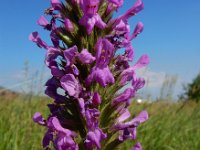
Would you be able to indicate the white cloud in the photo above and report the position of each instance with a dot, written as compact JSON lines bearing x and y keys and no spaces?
{"x":156,"y":80}
{"x":153,"y":79}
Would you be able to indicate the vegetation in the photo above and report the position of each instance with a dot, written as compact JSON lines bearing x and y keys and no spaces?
{"x":192,"y":90}
{"x":172,"y":126}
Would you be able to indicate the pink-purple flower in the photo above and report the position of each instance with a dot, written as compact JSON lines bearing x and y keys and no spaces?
{"x":70,"y":84}
{"x":129,"y":73}
{"x":36,"y":39}
{"x":68,"y":25}
{"x":128,"y":129}
{"x":137,"y":7}
{"x":89,"y":84}
{"x":137,"y":147}
{"x":86,"y":57}
{"x":101,"y":72}
{"x":91,"y":18}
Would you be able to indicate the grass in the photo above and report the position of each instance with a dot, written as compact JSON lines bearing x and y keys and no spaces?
{"x":172,"y":126}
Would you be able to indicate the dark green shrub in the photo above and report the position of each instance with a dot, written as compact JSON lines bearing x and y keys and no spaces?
{"x":192,"y":90}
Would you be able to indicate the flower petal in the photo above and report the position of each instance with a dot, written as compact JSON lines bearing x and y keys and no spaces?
{"x":70,"y":54}
{"x":36,"y":39}
{"x":86,"y":57}
{"x":137,"y":147}
{"x":37,"y":117}
{"x":70,"y":84}
{"x":142,"y":62}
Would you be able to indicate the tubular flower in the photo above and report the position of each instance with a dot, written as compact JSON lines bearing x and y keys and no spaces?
{"x":94,"y":138}
{"x":36,"y":38}
{"x":124,"y":97}
{"x":70,"y":55}
{"x":137,"y":147}
{"x":89,"y":86}
{"x":137,"y":7}
{"x":91,"y":18}
{"x":138,"y":29}
{"x":101,"y":75}
{"x":42,"y":21}
{"x":64,"y":137}
{"x":96,"y":99}
{"x":122,"y":28}
{"x":38,"y":118}
{"x":129,"y":73}
{"x":70,"y":84}
{"x":101,"y":72}
{"x":68,"y":25}
{"x":128,"y":129}
{"x":104,"y":52}
{"x":86,"y":57}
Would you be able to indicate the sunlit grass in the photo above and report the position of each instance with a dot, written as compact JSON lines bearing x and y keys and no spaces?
{"x":172,"y":126}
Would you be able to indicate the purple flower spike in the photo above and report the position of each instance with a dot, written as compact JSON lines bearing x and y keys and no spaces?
{"x":102,"y":76}
{"x":68,"y":25}
{"x":38,"y":118}
{"x":70,"y":55}
{"x":56,"y":4}
{"x":138,"y":29}
{"x":90,"y":99}
{"x":36,"y":39}
{"x":86,"y":57}
{"x":137,"y":147}
{"x":70,"y":84}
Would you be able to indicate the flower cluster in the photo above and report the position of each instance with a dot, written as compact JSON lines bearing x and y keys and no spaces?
{"x":92,"y":111}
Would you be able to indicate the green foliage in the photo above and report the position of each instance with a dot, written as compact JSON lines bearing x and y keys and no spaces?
{"x":169,"y":127}
{"x":192,"y":90}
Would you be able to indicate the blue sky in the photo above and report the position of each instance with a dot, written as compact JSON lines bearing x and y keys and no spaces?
{"x":171,"y":37}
